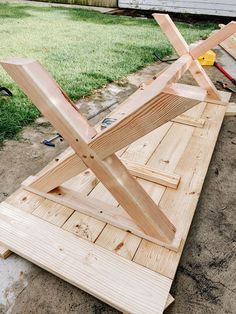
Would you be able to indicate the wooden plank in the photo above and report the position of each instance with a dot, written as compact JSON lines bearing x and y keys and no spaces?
{"x":94,"y":3}
{"x":189,"y":91}
{"x":181,"y":204}
{"x":152,"y":175}
{"x":4,"y":252}
{"x":203,"y":80}
{"x":84,"y":226}
{"x":184,"y":119}
{"x":181,"y":47}
{"x":175,"y":140}
{"x":172,"y":33}
{"x":229,"y":44}
{"x":231,"y":110}
{"x":194,"y":92}
{"x":83,"y":183}
{"x":83,"y":264}
{"x":215,"y":39}
{"x":137,"y":203}
{"x":53,"y":212}
{"x":140,"y":151}
{"x":160,"y":157}
{"x":23,"y":200}
{"x":169,"y":301}
{"x":124,"y":243}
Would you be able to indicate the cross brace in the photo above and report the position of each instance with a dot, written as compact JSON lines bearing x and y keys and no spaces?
{"x":148,"y":108}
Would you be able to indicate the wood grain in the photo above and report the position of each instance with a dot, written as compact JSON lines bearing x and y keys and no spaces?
{"x":229,"y":44}
{"x":61,"y":202}
{"x":181,"y":205}
{"x":144,"y":111}
{"x":62,"y":113}
{"x":231,"y":110}
{"x":215,"y":39}
{"x":83,"y":264}
{"x":181,"y":47}
{"x":151,"y":174}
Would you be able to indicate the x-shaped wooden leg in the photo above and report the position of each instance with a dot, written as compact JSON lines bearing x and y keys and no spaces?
{"x":182,"y":48}
{"x":97,"y":151}
{"x":144,"y":111}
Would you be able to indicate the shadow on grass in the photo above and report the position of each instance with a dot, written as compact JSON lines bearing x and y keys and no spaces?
{"x":13,"y":11}
{"x":95,"y":17}
{"x":85,"y":83}
{"x":89,"y":16}
{"x":146,"y":54}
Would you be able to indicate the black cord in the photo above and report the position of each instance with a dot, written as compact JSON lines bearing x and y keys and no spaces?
{"x":6,"y":91}
{"x":165,"y":60}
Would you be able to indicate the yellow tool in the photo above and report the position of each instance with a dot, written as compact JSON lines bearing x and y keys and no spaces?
{"x":208,"y":58}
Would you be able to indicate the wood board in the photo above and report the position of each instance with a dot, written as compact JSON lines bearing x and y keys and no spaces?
{"x":229,"y":44}
{"x":174,"y":147}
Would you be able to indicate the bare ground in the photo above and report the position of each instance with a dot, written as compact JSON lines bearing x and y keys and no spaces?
{"x":206,"y":278}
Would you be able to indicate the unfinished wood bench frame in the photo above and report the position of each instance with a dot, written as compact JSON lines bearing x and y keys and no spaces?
{"x":153,"y":105}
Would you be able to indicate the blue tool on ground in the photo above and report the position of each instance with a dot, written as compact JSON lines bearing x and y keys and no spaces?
{"x":49,"y":142}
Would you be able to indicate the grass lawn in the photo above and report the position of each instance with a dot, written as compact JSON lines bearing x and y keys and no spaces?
{"x":82,"y":49}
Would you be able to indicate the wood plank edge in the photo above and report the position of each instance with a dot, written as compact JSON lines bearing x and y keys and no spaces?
{"x":170,"y":300}
{"x":198,"y":123}
{"x":231,"y":110}
{"x":4,"y":252}
{"x":151,"y":174}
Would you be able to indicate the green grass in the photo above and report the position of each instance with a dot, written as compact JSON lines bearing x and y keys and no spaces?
{"x":82,"y":49}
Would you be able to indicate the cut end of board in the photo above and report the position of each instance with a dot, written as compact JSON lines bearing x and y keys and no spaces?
{"x":17,"y":61}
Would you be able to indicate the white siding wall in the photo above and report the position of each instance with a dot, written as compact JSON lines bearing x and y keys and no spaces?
{"x":212,"y":7}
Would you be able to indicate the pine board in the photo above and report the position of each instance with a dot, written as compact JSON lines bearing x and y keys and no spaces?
{"x":229,"y":44}
{"x":182,"y":149}
{"x":84,"y":264}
